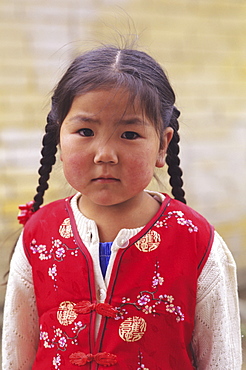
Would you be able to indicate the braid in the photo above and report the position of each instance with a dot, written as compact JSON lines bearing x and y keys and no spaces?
{"x":173,"y":161}
{"x":47,"y":161}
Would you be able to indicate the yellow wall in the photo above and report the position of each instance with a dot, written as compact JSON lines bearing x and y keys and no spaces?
{"x":202,"y":46}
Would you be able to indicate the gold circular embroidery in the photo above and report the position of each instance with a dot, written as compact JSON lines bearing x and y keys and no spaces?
{"x":132,"y":329}
{"x":65,"y":229}
{"x":149,"y":242}
{"x":65,"y":314}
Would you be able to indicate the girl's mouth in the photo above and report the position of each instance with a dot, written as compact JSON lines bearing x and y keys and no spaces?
{"x":105,"y":179}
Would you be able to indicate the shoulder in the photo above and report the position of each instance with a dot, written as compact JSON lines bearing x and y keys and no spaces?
{"x":47,"y":217}
{"x":182,"y":210}
{"x":52,"y":209}
{"x":191,"y":228}
{"x":49,"y":222}
{"x":219,"y":267}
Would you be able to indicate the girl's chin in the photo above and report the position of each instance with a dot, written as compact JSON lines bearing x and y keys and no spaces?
{"x":105,"y":200}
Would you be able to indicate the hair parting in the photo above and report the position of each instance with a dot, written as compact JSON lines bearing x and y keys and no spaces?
{"x":117,"y":58}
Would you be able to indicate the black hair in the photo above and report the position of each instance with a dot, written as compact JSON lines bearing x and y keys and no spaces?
{"x":109,"y":67}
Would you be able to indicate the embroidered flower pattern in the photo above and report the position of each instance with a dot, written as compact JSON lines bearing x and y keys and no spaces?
{"x":141,"y":366}
{"x":52,"y":272}
{"x":147,"y":301}
{"x":60,"y":338}
{"x":57,"y":252}
{"x":181,"y":220}
{"x":157,"y":279}
{"x":57,"y":362}
{"x":40,"y":249}
{"x":143,"y":300}
{"x":59,"y":249}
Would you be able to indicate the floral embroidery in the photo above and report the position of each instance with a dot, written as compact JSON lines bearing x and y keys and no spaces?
{"x":60,"y":338}
{"x":57,"y":362}
{"x":181,"y":220}
{"x":57,"y":251}
{"x":147,"y":301}
{"x":141,"y":366}
{"x":157,"y":279}
{"x":142,"y":301}
{"x":41,"y":249}
{"x":52,"y":272}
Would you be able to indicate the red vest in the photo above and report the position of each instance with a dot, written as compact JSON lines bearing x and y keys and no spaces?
{"x":148,"y":315}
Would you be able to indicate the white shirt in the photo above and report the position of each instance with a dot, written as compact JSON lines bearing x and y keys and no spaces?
{"x":216,"y":339}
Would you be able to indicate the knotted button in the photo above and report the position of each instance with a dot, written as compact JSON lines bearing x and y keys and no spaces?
{"x":101,"y":358}
{"x":103,"y":309}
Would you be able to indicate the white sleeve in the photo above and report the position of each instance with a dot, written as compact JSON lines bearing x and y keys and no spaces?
{"x":20,"y":322}
{"x":217,"y":338}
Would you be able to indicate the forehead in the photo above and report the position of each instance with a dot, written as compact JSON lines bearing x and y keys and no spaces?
{"x":113,"y":100}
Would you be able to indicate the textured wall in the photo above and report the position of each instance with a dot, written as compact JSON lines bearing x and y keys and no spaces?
{"x":202,"y":46}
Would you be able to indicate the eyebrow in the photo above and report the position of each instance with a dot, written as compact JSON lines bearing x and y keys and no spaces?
{"x":82,"y":118}
{"x":123,"y":121}
{"x":132,"y":121}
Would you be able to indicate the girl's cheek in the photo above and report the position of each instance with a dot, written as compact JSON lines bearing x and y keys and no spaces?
{"x":140,"y":168}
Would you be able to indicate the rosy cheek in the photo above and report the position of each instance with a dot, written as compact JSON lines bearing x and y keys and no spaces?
{"x":74,"y":155}
{"x":140,"y":169}
{"x":140,"y":162}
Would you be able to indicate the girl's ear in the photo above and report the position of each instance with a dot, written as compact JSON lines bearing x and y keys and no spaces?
{"x":167,"y":137}
{"x":61,"y":159}
{"x":60,"y":151}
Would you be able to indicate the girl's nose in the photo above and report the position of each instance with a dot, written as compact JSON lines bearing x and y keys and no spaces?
{"x":106,"y":153}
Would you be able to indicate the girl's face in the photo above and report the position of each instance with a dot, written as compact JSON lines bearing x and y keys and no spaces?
{"x":109,"y":148}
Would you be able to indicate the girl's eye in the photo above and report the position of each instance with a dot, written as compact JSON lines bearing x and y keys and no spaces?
{"x":86,"y":132}
{"x":130,"y":135}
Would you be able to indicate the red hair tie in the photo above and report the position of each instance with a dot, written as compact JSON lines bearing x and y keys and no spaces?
{"x":101,"y":358}
{"x":26,"y":211}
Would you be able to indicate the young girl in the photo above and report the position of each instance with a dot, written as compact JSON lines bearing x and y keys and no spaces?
{"x":117,"y":276}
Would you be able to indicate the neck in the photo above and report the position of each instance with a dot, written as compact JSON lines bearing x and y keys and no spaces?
{"x":111,"y":219}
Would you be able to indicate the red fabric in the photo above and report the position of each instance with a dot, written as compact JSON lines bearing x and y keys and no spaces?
{"x":152,"y":290}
